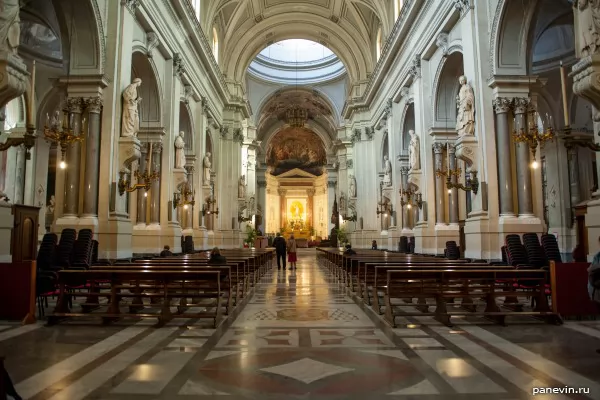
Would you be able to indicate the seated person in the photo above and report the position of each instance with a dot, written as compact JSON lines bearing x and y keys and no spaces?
{"x":374,"y":245}
{"x":216,"y":258}
{"x":166,"y":252}
{"x":349,"y":250}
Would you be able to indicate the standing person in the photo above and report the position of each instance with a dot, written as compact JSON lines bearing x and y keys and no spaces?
{"x":594,"y":281}
{"x":291,"y":247}
{"x":280,"y":248}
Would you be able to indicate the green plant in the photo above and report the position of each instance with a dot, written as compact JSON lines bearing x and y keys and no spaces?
{"x":250,"y":235}
{"x":342,"y":236}
{"x":311,"y":230}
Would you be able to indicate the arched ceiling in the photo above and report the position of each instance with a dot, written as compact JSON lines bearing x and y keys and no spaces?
{"x":345,"y":26}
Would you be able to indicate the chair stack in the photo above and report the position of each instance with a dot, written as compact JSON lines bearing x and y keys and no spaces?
{"x":65,"y":247}
{"x":411,"y":245}
{"x":82,"y":251}
{"x":535,"y":252}
{"x":517,"y":255}
{"x":403,"y":244}
{"x":46,"y":257}
{"x":452,"y":251}
{"x":551,"y":248}
{"x":94,"y":252}
{"x":188,"y":245}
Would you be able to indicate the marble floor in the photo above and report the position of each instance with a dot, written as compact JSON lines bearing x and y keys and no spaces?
{"x":298,"y":336}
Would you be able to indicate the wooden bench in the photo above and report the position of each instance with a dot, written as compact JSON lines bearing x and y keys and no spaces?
{"x":164,"y":285}
{"x":471,"y":285}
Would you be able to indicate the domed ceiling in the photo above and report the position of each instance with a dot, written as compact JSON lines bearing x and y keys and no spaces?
{"x":296,"y":148}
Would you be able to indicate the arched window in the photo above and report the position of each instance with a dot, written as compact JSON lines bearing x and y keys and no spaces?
{"x":379,"y":44}
{"x":397,"y":7}
{"x":215,"y":44}
{"x":196,"y":5}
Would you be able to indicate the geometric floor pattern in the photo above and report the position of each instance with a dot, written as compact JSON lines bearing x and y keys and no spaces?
{"x":301,"y":335}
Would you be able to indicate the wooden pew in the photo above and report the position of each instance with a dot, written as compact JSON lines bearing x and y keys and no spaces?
{"x":471,"y":284}
{"x":165,"y":285}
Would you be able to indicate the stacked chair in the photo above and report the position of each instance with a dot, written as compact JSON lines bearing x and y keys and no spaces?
{"x":452,"y":252}
{"x":516,"y":253}
{"x":82,"y":250}
{"x":188,"y":245}
{"x":94,"y":252}
{"x":535,"y":252}
{"x":551,"y":248}
{"x":403,"y":244}
{"x":411,"y":245}
{"x":46,"y":257}
{"x":65,"y":248}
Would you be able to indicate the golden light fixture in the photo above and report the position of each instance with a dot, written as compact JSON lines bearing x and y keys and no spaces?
{"x":533,"y":135}
{"x":296,"y":116}
{"x":185,"y":194}
{"x":63,"y":135}
{"x":144,"y":179}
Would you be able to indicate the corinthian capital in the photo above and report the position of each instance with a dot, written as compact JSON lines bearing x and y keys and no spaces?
{"x":502,"y":105}
{"x":94,"y":104}
{"x":521,"y":105}
{"x":438,"y":147}
{"x":75,"y":105}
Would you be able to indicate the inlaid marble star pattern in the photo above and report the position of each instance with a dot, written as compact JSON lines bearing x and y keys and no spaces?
{"x":260,"y":338}
{"x":349,"y":338}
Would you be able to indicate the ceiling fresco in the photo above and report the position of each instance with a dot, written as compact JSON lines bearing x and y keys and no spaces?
{"x":296,"y":148}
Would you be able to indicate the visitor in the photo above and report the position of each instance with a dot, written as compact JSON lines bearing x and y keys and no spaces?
{"x":280,"y":247}
{"x":594,"y":281}
{"x":349,"y":251}
{"x":374,"y":245}
{"x":216,"y":258}
{"x":291,"y":248}
{"x":166,"y":252}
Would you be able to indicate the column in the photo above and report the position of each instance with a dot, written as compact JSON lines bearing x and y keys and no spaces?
{"x":310,"y":204}
{"x":282,"y":203}
{"x":505,"y":186}
{"x":92,"y":158}
{"x":155,"y":188}
{"x":573,"y":176}
{"x":438,"y":160}
{"x":73,"y":156}
{"x":142,"y":195}
{"x":521,"y":106}
{"x":20,"y":176}
{"x":453,"y":200}
{"x":404,"y":186}
{"x":261,"y":201}
{"x":190,"y":210}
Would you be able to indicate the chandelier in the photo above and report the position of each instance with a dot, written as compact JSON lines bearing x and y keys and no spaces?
{"x":296,"y":116}
{"x":534,"y":136}
{"x":63,"y":136}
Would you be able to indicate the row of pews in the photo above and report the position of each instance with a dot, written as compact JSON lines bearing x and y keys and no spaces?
{"x":395,"y":284}
{"x":152,"y":288}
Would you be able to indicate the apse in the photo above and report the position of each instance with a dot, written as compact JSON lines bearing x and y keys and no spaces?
{"x":296,"y":148}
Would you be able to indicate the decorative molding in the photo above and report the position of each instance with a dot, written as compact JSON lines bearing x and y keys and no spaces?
{"x":238,"y":136}
{"x":442,"y":42}
{"x":331,"y":184}
{"x":415,"y":69}
{"x":335,"y":19}
{"x":521,"y":105}
{"x":223,"y":131}
{"x":258,"y":18}
{"x":356,"y":135}
{"x":75,"y":105}
{"x":502,"y":105}
{"x":151,"y":43}
{"x":451,"y":149}
{"x":132,"y":5}
{"x":205,"y":108}
{"x":310,"y":192}
{"x":282,"y":192}
{"x":369,"y":132}
{"x":405,"y":91}
{"x":462,"y":6}
{"x":349,"y":163}
{"x":438,"y":147}
{"x":188,"y":92}
{"x":94,"y":104}
{"x":178,"y":65}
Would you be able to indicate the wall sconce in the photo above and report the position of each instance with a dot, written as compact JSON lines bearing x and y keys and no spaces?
{"x":144,"y":181}
{"x":532,"y":136}
{"x":471,"y":183}
{"x":241,"y":218}
{"x":208,"y":208}
{"x":185,"y":194}
{"x":352,"y":217}
{"x":63,"y":136}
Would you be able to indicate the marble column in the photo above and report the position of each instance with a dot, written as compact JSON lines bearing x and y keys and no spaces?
{"x":440,"y":190}
{"x":142,"y":195}
{"x":92,"y":158}
{"x":282,"y":201}
{"x":502,"y":106}
{"x":521,"y":105}
{"x":155,"y":188}
{"x":189,"y":213}
{"x":20,"y":176}
{"x":404,"y":185}
{"x":261,"y":201}
{"x":73,"y":156}
{"x":453,"y":199}
{"x":310,"y":204}
{"x":573,"y":176}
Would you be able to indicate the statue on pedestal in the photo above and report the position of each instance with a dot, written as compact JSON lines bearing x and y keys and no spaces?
{"x":588,"y":23}
{"x":352,"y":191}
{"x":51,"y":205}
{"x":387,"y":178}
{"x":206,"y":165}
{"x":131,"y":116}
{"x":465,"y":102}
{"x":414,"y":156}
{"x":180,"y":151}
{"x":10,"y":28}
{"x":242,"y":187}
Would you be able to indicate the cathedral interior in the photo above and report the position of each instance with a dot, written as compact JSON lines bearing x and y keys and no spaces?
{"x":431,"y":164}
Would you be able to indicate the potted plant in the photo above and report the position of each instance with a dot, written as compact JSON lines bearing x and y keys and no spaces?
{"x":250,"y":236}
{"x":342,"y":236}
{"x":311,"y":232}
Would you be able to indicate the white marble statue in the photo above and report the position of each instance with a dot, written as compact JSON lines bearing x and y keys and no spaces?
{"x":10,"y":28}
{"x":352,"y":191}
{"x":414,"y":155}
{"x":242,"y":187}
{"x":387,"y":178}
{"x":206,"y":165}
{"x":131,"y":115}
{"x":51,"y":205}
{"x":588,"y":24}
{"x":180,"y":151}
{"x":465,"y":102}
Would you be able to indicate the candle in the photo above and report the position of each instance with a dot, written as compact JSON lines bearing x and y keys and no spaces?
{"x":31,"y":95}
{"x":563,"y":84}
{"x":447,"y":156}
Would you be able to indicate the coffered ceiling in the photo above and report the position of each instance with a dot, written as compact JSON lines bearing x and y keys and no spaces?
{"x":347,"y":27}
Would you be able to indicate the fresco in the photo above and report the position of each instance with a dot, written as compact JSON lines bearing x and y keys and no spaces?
{"x":296,"y":148}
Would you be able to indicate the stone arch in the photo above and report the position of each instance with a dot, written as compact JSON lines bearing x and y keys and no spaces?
{"x":186,"y":125}
{"x":446,"y":87}
{"x":273,"y":130}
{"x":150,"y":90}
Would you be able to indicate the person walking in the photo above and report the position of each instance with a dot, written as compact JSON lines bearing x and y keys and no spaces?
{"x":291,"y":248}
{"x":280,"y":247}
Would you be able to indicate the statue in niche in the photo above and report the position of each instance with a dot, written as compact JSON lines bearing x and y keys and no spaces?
{"x":414,"y":155}
{"x":51,"y":205}
{"x":206,"y":165}
{"x":465,"y":102}
{"x":131,"y":115}
{"x":10,"y":28}
{"x":352,"y":191}
{"x":387,"y":169}
{"x":242,"y":187}
{"x":180,"y":151}
{"x":588,"y":22}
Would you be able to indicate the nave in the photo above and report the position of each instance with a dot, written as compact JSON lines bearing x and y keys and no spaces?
{"x":301,"y":335}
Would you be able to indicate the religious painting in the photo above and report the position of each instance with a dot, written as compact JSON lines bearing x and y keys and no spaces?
{"x":296,"y":214}
{"x":296,"y":148}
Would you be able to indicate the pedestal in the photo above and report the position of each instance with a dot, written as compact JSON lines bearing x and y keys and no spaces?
{"x":13,"y":77}
{"x":414,"y":178}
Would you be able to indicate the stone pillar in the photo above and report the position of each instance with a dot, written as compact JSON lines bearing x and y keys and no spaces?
{"x":20,"y":176}
{"x":310,"y":204}
{"x":505,"y":185}
{"x":142,"y":195}
{"x":453,"y":200}
{"x":440,"y":190}
{"x":261,"y":201}
{"x":73,"y":156}
{"x":521,"y":106}
{"x":282,"y":210}
{"x":92,"y":158}
{"x":573,"y":176}
{"x":189,"y":213}
{"x":155,"y":188}
{"x":404,"y":186}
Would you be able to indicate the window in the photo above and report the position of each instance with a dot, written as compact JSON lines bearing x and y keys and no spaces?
{"x":196,"y":5}
{"x":397,"y":7}
{"x":215,"y":44}
{"x":379,"y":43}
